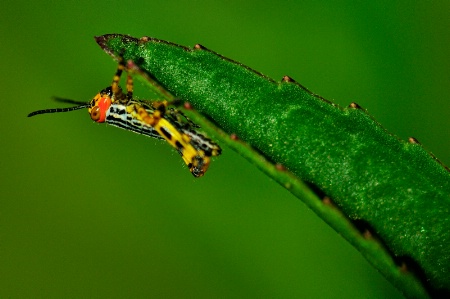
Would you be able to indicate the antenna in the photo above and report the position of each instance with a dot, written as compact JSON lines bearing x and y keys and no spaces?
{"x":64,"y":100}
{"x":56,"y":110}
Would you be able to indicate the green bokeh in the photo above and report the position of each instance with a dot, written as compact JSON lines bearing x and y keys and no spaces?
{"x":94,"y":211}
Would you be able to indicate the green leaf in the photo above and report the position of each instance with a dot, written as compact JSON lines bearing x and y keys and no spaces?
{"x":399,"y":191}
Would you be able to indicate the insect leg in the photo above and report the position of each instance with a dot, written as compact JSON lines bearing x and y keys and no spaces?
{"x":116,"y":90}
{"x":177,"y":114}
{"x":129,"y":87}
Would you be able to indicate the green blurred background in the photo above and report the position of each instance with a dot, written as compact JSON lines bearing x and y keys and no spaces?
{"x":88,"y":210}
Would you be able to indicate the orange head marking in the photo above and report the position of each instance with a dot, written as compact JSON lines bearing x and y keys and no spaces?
{"x":99,"y":106}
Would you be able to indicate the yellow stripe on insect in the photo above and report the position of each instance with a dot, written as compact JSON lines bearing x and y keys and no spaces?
{"x":195,"y":159}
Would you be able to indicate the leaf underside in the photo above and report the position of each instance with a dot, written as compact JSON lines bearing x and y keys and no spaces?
{"x":395,"y":187}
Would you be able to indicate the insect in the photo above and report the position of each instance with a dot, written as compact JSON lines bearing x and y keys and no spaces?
{"x":153,"y":119}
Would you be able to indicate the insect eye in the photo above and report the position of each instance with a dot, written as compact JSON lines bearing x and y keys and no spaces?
{"x":95,"y":113}
{"x":100,"y":109}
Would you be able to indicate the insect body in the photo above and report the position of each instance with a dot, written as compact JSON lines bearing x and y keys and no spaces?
{"x":155,"y":120}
